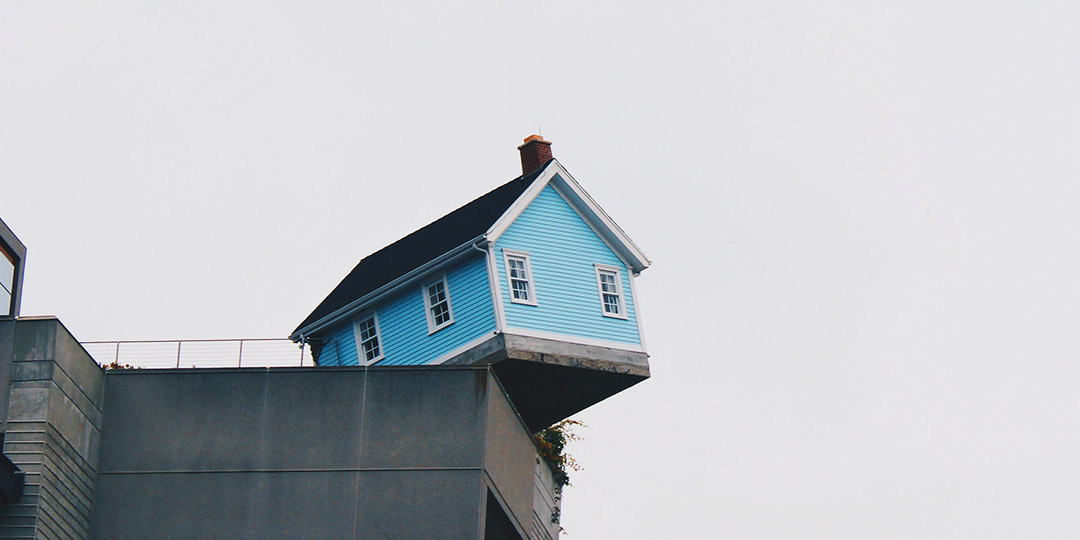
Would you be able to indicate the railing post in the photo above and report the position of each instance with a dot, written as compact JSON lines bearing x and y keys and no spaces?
{"x":154,"y":355}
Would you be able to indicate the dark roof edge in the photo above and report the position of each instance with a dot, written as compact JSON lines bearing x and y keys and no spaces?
{"x":422,"y":246}
{"x":390,"y":287}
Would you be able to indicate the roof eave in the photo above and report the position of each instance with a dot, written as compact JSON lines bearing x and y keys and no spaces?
{"x":405,"y":279}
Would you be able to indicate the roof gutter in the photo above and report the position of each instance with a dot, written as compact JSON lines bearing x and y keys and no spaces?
{"x":387,"y":289}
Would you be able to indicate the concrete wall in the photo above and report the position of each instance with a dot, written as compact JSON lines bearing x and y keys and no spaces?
{"x":322,"y":453}
{"x":53,"y":432}
{"x":7,"y":354}
{"x":508,"y":462}
{"x":545,"y":505}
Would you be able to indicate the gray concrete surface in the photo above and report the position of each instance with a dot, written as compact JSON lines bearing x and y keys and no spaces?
{"x":7,"y":354}
{"x":52,"y":432}
{"x":319,"y":453}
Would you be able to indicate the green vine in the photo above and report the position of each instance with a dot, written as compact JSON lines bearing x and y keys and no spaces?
{"x":551,"y":446}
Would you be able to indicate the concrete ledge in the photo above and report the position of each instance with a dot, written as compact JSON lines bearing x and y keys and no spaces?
{"x":548,"y":380}
{"x":561,"y":353}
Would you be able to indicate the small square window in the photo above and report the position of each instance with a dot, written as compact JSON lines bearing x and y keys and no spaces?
{"x":437,"y":305}
{"x":609,"y":283}
{"x":519,"y":277}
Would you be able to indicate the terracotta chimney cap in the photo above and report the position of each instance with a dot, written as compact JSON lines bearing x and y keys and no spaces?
{"x":532,"y":138}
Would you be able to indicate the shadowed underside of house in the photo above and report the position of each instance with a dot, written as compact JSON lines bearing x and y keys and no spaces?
{"x":549,"y":380}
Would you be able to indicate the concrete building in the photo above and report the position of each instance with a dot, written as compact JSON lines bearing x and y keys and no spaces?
{"x":437,"y":359}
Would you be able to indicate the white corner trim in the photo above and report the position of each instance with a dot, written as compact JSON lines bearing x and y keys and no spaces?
{"x":530,"y":281}
{"x":432,"y":327}
{"x":637,"y":312}
{"x":496,"y":289}
{"x":360,"y":356}
{"x":575,"y":339}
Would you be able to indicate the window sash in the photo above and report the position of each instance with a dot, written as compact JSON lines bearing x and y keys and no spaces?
{"x":368,"y":339}
{"x":519,"y":277}
{"x":609,"y":283}
{"x":437,"y":303}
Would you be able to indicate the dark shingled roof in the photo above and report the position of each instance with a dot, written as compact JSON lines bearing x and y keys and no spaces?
{"x":420,"y":247}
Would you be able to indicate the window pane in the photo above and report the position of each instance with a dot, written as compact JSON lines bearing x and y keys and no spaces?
{"x":440,"y":313}
{"x":7,"y":271}
{"x":607,"y":282}
{"x":521,"y":289}
{"x":436,"y":293}
{"x":611,"y":304}
{"x":5,"y":303}
{"x":371,"y":349}
{"x":367,"y":329}
{"x":517,"y":269}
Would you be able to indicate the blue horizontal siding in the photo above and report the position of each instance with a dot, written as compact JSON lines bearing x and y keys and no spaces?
{"x":403,"y":321}
{"x":339,"y":349}
{"x":562,"y":250}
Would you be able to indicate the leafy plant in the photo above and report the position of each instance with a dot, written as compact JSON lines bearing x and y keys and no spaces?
{"x":551,"y":446}
{"x":117,"y":365}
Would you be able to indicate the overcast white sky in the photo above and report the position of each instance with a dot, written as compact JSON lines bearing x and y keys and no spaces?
{"x":863,"y":218}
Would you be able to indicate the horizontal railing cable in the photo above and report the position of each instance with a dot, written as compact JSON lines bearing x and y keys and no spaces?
{"x":199,"y":353}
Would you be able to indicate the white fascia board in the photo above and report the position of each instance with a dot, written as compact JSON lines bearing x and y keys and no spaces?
{"x":637,"y":313}
{"x":378,"y":294}
{"x":642,"y":261}
{"x":522,"y":202}
{"x":584,"y":205}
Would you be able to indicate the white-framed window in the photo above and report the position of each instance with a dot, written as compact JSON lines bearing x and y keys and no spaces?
{"x":519,"y":277}
{"x":368,"y":339}
{"x":609,"y":283}
{"x":437,"y":304}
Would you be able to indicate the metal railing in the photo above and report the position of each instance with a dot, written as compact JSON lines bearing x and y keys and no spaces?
{"x":199,"y":353}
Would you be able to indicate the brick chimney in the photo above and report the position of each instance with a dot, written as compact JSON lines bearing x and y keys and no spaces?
{"x":534,"y":153}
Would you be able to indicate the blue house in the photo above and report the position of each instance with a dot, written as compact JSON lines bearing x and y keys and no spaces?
{"x":533,"y":278}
